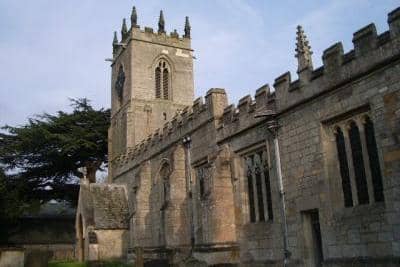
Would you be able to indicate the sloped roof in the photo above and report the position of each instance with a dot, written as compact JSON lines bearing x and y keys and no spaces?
{"x":104,"y":206}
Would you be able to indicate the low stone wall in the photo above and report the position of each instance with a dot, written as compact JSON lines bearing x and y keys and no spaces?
{"x":59,"y":252}
{"x":12,"y":257}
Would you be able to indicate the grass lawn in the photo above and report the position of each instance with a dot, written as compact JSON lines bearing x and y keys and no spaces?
{"x":80,"y":264}
{"x":67,"y":264}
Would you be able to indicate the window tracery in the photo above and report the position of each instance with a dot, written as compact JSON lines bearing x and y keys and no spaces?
{"x":162,"y":80}
{"x":358,"y":161}
{"x":259,"y":187}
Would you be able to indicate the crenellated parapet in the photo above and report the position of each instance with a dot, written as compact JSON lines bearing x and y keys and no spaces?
{"x":242,"y":116}
{"x":200,"y":114}
{"x":147,"y":34}
{"x":370,"y":51}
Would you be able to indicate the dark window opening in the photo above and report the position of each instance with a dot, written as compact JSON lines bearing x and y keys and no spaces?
{"x":374,"y":160}
{"x":259,"y":194}
{"x":158,"y":82}
{"x":250,"y":191}
{"x":258,"y":176}
{"x":165,"y":84}
{"x":344,"y":168}
{"x":204,"y":181}
{"x":162,"y":81}
{"x":269,"y":195}
{"x":358,"y":163}
{"x":201,"y":185}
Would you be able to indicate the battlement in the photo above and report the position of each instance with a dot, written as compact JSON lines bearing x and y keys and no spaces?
{"x":242,"y":116}
{"x":147,"y":34}
{"x":370,"y":49}
{"x":183,"y":123}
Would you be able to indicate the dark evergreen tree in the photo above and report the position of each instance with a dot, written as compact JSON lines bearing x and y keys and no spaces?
{"x":48,"y":151}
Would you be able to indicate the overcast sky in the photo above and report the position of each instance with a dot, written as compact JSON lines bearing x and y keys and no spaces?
{"x":52,"y":50}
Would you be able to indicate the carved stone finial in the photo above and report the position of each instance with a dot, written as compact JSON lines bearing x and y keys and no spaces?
{"x":161,"y":23}
{"x":303,"y":51}
{"x":124,"y":29}
{"x":115,"y":40}
{"x":187,"y":28}
{"x":133,"y":17}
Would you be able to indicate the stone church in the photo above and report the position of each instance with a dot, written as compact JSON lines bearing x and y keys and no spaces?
{"x":306,"y":173}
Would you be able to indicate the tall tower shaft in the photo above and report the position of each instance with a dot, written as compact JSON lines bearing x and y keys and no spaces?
{"x":152,"y":79}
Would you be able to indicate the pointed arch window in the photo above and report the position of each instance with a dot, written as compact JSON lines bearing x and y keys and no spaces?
{"x":259,"y":187}
{"x":358,"y":160}
{"x":162,"y":80}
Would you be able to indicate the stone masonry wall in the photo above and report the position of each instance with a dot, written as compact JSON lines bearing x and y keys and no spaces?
{"x":349,"y":86}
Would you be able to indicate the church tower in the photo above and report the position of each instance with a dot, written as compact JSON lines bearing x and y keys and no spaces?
{"x":152,"y":79}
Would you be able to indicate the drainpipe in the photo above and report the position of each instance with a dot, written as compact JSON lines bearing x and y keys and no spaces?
{"x":187,"y":142}
{"x":272,"y":126}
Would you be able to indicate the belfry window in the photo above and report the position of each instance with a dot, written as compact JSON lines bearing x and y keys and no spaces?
{"x":162,"y":80}
{"x":356,"y":147}
{"x":158,"y":82}
{"x":259,"y":187}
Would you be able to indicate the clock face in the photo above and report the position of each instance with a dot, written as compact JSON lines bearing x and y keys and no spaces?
{"x":119,"y":84}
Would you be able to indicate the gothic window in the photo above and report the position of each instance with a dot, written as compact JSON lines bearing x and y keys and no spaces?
{"x":259,"y":187}
{"x":356,"y":147}
{"x":344,"y":168}
{"x":373,"y":160}
{"x":204,"y":181}
{"x":358,"y":164}
{"x":119,"y":84}
{"x":162,"y":80}
{"x":165,"y":185}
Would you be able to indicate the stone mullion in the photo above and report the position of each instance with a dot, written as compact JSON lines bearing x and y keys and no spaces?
{"x":349,"y":157}
{"x":360,"y":125}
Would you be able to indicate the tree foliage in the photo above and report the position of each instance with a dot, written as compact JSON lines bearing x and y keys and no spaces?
{"x":47,"y":153}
